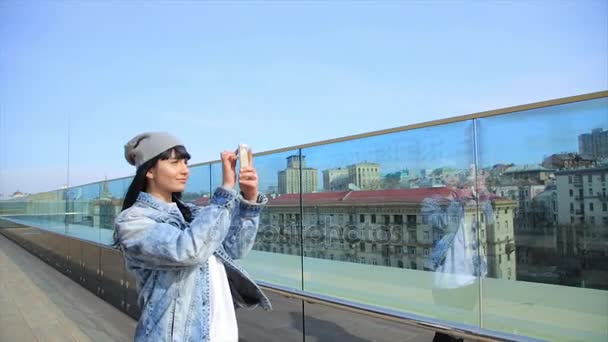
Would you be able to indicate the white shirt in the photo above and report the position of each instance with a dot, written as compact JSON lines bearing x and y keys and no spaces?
{"x":223,"y":318}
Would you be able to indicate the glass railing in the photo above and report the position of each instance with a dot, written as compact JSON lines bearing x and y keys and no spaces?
{"x":495,"y":222}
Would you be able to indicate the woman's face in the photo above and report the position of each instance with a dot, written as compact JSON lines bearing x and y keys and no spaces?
{"x":169,"y":175}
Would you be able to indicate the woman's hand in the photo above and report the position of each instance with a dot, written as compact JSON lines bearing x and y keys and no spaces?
{"x":228,"y":169}
{"x":248,"y":180}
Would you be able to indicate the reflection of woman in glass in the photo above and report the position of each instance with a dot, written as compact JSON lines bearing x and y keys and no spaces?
{"x":457,"y":257}
{"x":182,"y":255}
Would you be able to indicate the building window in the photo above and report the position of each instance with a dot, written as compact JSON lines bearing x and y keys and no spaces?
{"x":590,"y":192}
{"x":413,"y":265}
{"x":362,"y":260}
{"x":375,"y":262}
{"x":387,"y":262}
{"x":374,"y":218}
{"x":412,"y":250}
{"x":361,"y":218}
{"x":400,"y":264}
{"x":425,"y":219}
{"x":589,"y":179}
{"x":362,"y":246}
{"x":592,"y":220}
{"x":590,"y":206}
{"x":398,"y":219}
{"x":387,"y":219}
{"x":571,"y":193}
{"x":571,"y":206}
{"x":426,"y":236}
{"x":426,"y":252}
{"x":569,"y":179}
{"x":500,"y":258}
{"x":605,"y":206}
{"x":374,"y":248}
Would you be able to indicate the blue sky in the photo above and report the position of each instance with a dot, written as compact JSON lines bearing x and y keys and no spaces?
{"x":271,"y":74}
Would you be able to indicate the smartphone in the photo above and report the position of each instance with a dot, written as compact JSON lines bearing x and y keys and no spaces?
{"x":243,"y":155}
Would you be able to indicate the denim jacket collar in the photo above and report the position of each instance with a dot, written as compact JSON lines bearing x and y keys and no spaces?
{"x":154,"y":202}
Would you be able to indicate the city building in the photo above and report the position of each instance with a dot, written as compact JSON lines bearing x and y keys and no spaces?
{"x":289,"y":179}
{"x":561,"y":161}
{"x":104,"y":209}
{"x":594,"y":145}
{"x":335,"y":179}
{"x":378,"y":227}
{"x":582,"y":226}
{"x":360,"y":176}
{"x":526,"y":174}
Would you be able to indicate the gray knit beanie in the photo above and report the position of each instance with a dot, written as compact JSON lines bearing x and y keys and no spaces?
{"x":148,"y":145}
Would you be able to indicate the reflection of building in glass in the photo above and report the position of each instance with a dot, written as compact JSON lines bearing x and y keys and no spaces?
{"x":360,"y":176}
{"x":526,"y":174}
{"x":563,"y":245}
{"x":289,"y":179}
{"x":566,"y":161}
{"x":104,"y":209}
{"x":384,"y":227}
{"x":581,"y":196}
{"x":365,"y":176}
{"x":335,"y":179}
{"x":582,"y":229}
{"x":594,"y":145}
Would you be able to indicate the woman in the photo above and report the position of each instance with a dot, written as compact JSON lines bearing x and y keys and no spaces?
{"x":182,"y":255}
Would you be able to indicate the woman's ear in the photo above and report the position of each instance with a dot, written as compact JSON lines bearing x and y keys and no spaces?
{"x":150,"y":174}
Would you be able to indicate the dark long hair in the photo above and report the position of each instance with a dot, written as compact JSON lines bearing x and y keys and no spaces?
{"x":139,"y":184}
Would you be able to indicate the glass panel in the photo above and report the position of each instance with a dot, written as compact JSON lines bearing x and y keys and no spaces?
{"x":216,"y":175}
{"x":43,"y":210}
{"x":276,"y":255}
{"x":368,"y":223}
{"x":87,"y":211}
{"x":547,"y":244}
{"x":198,"y":187}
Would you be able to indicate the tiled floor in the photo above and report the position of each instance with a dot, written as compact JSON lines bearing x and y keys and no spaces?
{"x":37,"y":303}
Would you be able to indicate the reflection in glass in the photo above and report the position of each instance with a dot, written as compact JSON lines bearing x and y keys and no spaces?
{"x":198,"y":187}
{"x":366,"y":235}
{"x":554,"y":170}
{"x":276,"y":257}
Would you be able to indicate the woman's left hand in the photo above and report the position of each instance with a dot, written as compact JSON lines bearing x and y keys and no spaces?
{"x":248,"y":180}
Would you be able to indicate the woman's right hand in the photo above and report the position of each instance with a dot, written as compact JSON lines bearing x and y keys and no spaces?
{"x":228,"y":169}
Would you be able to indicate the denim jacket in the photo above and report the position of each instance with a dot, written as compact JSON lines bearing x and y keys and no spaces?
{"x":169,"y":258}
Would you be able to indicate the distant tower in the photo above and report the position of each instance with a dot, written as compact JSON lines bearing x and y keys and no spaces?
{"x":289,"y":179}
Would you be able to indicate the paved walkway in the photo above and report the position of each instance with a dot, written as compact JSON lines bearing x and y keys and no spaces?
{"x":37,"y":303}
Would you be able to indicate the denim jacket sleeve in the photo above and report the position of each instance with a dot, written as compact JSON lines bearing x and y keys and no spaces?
{"x":244,"y":223}
{"x":160,"y":245}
